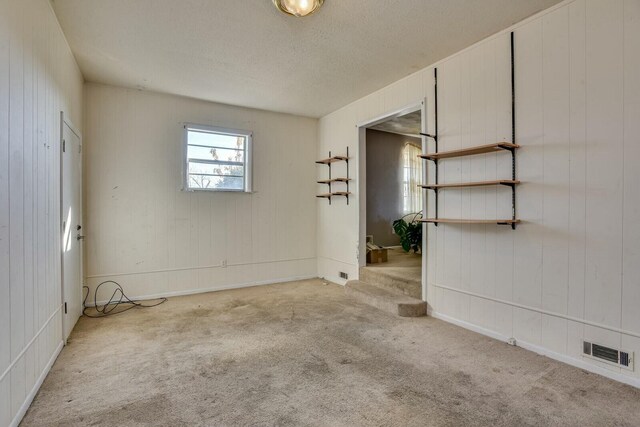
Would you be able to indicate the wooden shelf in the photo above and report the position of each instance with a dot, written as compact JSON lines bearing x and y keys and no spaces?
{"x":332,"y":159}
{"x":508,"y":182}
{"x":329,"y":181}
{"x":335,"y":193}
{"x":471,"y":151}
{"x":470,"y":221}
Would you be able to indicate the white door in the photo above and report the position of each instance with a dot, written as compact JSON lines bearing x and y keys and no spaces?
{"x":71,"y":228}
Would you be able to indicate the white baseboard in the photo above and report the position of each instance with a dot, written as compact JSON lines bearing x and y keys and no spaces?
{"x":213,"y":289}
{"x":32,"y":394}
{"x":578,"y":363}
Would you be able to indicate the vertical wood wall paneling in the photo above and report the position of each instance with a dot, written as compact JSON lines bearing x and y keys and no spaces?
{"x":631,"y":210}
{"x":16,"y":202}
{"x":555,"y":215}
{"x":38,"y":79}
{"x":450,"y":202}
{"x":604,"y":167}
{"x":577,"y":176}
{"x":527,"y":278}
{"x":499,"y":203}
{"x":5,"y":301}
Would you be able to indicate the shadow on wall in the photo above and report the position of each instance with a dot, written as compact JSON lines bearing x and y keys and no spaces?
{"x":385,"y":184}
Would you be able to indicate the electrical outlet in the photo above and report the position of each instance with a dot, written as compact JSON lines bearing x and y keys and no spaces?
{"x":512,"y":341}
{"x":224,"y":263}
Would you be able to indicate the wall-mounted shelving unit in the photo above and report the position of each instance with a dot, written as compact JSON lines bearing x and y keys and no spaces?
{"x":510,"y":147}
{"x":332,"y":181}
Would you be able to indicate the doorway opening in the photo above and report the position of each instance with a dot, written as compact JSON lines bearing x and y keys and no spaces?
{"x":392,"y":240}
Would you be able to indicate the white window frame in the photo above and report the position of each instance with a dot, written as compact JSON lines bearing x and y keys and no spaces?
{"x":248,"y":156}
{"x":412,"y":190}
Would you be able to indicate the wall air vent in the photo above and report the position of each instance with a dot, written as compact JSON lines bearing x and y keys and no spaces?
{"x":623,"y":359}
{"x":344,"y":275}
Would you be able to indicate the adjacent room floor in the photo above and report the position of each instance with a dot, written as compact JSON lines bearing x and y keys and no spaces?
{"x":302,"y":353}
{"x":401,"y":273}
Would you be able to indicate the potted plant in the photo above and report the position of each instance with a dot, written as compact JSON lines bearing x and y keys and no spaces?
{"x":409,"y":229}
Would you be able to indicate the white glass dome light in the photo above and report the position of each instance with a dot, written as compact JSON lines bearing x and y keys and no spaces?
{"x":298,"y":7}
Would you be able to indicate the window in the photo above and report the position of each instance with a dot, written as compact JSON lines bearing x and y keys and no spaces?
{"x":411,"y":178}
{"x":217,"y":159}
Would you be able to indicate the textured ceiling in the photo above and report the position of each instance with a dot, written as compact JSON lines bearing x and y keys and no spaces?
{"x":247,"y":53}
{"x":409,"y":124}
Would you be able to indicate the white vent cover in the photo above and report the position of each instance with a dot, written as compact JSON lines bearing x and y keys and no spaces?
{"x":612,"y":356}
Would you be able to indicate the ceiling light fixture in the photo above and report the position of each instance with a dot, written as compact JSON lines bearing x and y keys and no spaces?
{"x":298,"y":7}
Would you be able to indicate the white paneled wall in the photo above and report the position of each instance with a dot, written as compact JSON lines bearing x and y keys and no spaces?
{"x":155,"y":239}
{"x":38,"y":79}
{"x":570,"y":270}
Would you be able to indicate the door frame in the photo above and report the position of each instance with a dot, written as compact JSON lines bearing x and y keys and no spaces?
{"x":362,"y":182}
{"x":65,"y":121}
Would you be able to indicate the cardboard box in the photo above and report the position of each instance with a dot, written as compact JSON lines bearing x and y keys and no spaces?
{"x":375,"y":256}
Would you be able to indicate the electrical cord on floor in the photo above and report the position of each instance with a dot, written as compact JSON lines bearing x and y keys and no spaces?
{"x":118,"y":298}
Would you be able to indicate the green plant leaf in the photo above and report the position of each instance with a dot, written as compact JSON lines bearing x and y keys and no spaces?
{"x":410,"y":233}
{"x":400,"y":227}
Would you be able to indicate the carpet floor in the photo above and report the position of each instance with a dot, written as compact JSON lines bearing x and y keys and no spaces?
{"x":407,"y":265}
{"x":303,"y":354}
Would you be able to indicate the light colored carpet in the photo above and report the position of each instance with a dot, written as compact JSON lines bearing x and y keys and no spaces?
{"x":402,"y":273}
{"x":303,"y":354}
{"x":406,"y":264}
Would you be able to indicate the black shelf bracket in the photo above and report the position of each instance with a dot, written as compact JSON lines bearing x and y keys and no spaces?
{"x":513,"y":129}
{"x":329,"y":178}
{"x":347,"y":195}
{"x":434,"y":137}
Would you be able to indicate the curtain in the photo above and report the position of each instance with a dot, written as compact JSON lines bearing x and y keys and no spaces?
{"x":412,"y":177}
